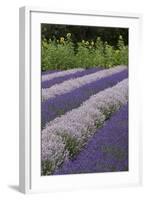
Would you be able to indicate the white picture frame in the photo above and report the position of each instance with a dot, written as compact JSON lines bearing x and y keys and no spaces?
{"x":29,"y":160}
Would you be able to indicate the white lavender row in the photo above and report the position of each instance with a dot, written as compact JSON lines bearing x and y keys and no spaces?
{"x":53,"y":151}
{"x":72,"y":84}
{"x":76,"y":126}
{"x":60,"y":74}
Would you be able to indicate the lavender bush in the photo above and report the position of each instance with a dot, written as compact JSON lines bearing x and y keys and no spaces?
{"x":61,"y":74}
{"x":60,"y":79}
{"x":53,"y":152}
{"x":49,"y":71}
{"x":78,"y":125}
{"x":106,"y":151}
{"x":59,"y":105}
{"x":72,"y":84}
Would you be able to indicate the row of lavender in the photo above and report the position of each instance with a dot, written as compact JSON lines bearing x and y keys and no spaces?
{"x":49,"y":80}
{"x":106,"y":151}
{"x":64,"y":134}
{"x":60,"y":104}
{"x":72,"y":84}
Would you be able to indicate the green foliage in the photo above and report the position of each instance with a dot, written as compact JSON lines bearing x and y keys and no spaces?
{"x":121,"y":54}
{"x":72,"y":144}
{"x":47,"y":167}
{"x":109,"y":56}
{"x":62,"y":53}
{"x":57,"y":54}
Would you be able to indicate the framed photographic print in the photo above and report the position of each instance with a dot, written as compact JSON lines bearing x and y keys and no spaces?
{"x":79,"y":102}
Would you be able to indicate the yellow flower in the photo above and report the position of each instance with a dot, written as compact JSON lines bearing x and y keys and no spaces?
{"x":68,"y":35}
{"x":92,"y":43}
{"x":87,"y":43}
{"x":120,"y":37}
{"x":117,"y":51}
{"x":62,"y":40}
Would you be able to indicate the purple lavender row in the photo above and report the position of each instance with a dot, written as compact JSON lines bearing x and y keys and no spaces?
{"x":61,"y":74}
{"x":72,"y":84}
{"x":49,"y":83}
{"x":77,"y":126}
{"x":59,"y":105}
{"x":107,"y":150}
{"x":57,"y":70}
{"x":49,"y":71}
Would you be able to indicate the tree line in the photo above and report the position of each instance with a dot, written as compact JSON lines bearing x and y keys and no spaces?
{"x":79,"y":33}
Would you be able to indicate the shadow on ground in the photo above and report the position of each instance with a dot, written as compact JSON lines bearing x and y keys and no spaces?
{"x":14,"y":187}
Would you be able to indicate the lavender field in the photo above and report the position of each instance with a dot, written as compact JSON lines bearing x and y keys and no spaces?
{"x":84,"y":120}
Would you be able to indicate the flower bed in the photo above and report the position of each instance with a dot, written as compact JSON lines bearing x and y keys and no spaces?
{"x":59,"y":105}
{"x":78,"y":125}
{"x":107,"y":150}
{"x":60,"y":79}
{"x":73,"y":84}
{"x":61,"y":74}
